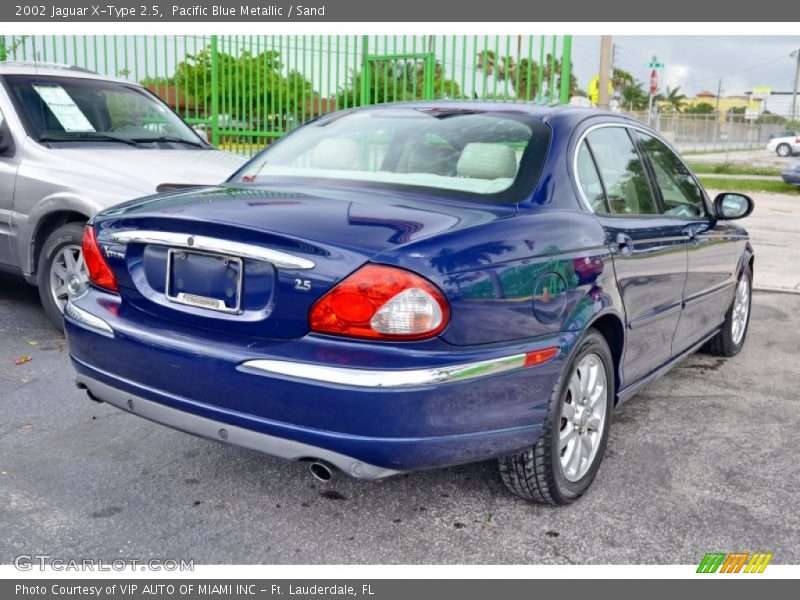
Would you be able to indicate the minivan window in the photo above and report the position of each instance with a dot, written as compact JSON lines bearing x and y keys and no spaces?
{"x":70,"y":109}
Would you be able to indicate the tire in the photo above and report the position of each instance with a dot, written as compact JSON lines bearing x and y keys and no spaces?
{"x":537,"y":473}
{"x":61,"y":271}
{"x":729,"y":340}
{"x":783,"y":150}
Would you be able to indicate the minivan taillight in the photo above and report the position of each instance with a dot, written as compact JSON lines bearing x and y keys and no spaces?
{"x":381,"y":302}
{"x":100,"y":274}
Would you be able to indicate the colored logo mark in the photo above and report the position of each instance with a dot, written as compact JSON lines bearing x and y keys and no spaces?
{"x":735,"y":562}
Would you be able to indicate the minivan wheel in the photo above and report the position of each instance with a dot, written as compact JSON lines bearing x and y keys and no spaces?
{"x":783,"y":150}
{"x":61,"y":271}
{"x":730,"y":339}
{"x":564,"y":461}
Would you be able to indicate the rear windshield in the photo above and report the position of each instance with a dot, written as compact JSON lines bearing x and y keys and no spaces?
{"x":459,"y":153}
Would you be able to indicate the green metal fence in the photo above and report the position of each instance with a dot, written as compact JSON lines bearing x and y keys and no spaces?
{"x":246,"y":91}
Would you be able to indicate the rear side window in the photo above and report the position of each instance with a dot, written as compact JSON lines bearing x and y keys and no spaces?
{"x":681,"y":194}
{"x":626,"y":185}
{"x":590,"y":181}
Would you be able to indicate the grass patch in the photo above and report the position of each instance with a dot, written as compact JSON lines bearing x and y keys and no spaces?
{"x":731,"y":169}
{"x":722,"y":151}
{"x":748,"y":185}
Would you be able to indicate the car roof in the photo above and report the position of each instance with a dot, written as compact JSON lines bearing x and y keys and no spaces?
{"x":562,"y":113}
{"x":54,"y":70}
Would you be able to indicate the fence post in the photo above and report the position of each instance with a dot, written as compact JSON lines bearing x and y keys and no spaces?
{"x":214,"y":93}
{"x":566,"y":68}
{"x":366,"y":76}
{"x":551,"y":92}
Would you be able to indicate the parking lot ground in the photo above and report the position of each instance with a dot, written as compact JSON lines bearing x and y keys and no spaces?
{"x":703,"y":459}
{"x":774,"y":228}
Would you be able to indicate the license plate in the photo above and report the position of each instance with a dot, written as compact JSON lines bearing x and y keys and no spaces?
{"x":204,"y":280}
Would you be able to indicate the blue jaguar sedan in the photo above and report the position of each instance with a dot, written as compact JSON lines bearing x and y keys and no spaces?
{"x":417,"y":285}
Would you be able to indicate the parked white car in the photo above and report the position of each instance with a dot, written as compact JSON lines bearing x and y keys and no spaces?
{"x":72,"y":143}
{"x":784,"y":146}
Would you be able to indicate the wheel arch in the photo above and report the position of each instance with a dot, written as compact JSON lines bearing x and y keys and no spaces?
{"x":46,"y":226}
{"x":610,"y":326}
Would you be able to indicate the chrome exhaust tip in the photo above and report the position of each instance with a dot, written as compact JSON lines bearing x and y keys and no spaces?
{"x":321,"y":471}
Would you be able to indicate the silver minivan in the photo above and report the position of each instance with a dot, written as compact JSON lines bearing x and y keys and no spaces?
{"x":72,"y":143}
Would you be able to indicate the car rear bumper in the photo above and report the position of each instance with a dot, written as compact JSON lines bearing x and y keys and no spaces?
{"x":222,"y":431}
{"x":362,"y":408}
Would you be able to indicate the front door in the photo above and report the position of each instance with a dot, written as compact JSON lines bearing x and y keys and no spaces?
{"x":8,"y":174}
{"x":714,"y":246}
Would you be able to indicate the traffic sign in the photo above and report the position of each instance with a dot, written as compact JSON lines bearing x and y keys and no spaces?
{"x":654,"y":63}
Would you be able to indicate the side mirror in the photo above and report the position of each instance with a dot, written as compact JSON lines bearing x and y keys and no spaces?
{"x":202,"y":133}
{"x":731,"y":205}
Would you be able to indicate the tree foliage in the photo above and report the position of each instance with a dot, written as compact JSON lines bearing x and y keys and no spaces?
{"x":521,"y":76}
{"x":245,"y":82}
{"x":629,"y":91}
{"x":395,"y":80}
{"x":672,"y":101}
{"x":702,"y":108}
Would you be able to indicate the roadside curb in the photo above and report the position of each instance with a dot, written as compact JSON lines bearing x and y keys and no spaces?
{"x":772,"y":290}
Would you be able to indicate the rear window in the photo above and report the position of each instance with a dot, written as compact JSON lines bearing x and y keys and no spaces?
{"x":459,"y":153}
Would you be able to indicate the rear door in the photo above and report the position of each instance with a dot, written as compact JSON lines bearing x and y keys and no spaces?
{"x":714,"y":247}
{"x":648,"y":249}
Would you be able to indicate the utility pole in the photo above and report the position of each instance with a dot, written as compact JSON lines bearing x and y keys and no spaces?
{"x":796,"y":54}
{"x":606,"y":45}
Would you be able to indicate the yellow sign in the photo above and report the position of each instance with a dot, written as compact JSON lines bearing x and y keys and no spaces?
{"x":594,"y":89}
{"x":760,"y":92}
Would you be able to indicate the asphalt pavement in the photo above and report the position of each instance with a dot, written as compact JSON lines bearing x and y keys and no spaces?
{"x":701,"y":460}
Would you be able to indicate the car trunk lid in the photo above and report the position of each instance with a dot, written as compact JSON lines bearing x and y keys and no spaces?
{"x":252,"y":261}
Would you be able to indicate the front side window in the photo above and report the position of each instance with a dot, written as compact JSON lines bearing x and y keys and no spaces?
{"x":469,"y":154}
{"x":680,"y":191}
{"x":626,"y":184}
{"x":69,"y":109}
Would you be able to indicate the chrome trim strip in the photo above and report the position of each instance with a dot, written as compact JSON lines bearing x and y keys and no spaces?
{"x":650,"y":132}
{"x":87,"y":320}
{"x":282,"y":260}
{"x":223,"y":432}
{"x":383,"y":378}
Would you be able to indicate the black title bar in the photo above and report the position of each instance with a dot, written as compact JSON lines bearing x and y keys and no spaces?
{"x":279,"y":11}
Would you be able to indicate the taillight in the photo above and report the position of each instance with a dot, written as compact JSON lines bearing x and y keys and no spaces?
{"x":381,"y":302}
{"x":100,"y":274}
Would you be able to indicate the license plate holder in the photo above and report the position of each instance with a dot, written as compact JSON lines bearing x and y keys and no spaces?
{"x":204,"y":280}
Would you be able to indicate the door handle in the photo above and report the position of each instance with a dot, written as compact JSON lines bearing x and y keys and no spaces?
{"x":691,"y":233}
{"x":625,"y":244}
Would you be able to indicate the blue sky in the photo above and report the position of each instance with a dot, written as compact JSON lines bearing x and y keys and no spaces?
{"x":697,"y":62}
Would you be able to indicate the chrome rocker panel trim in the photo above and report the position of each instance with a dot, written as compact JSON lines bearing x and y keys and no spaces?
{"x":201,"y":243}
{"x":87,"y":320}
{"x":226,"y":433}
{"x":396,"y":378}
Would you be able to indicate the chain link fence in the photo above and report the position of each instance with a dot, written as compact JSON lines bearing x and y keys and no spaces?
{"x":708,"y":133}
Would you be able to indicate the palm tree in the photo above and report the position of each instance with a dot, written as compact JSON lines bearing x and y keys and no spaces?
{"x":673,"y":99}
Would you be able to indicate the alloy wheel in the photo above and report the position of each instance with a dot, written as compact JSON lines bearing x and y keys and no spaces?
{"x":68,"y":275}
{"x":583,"y":415}
{"x":741,"y":310}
